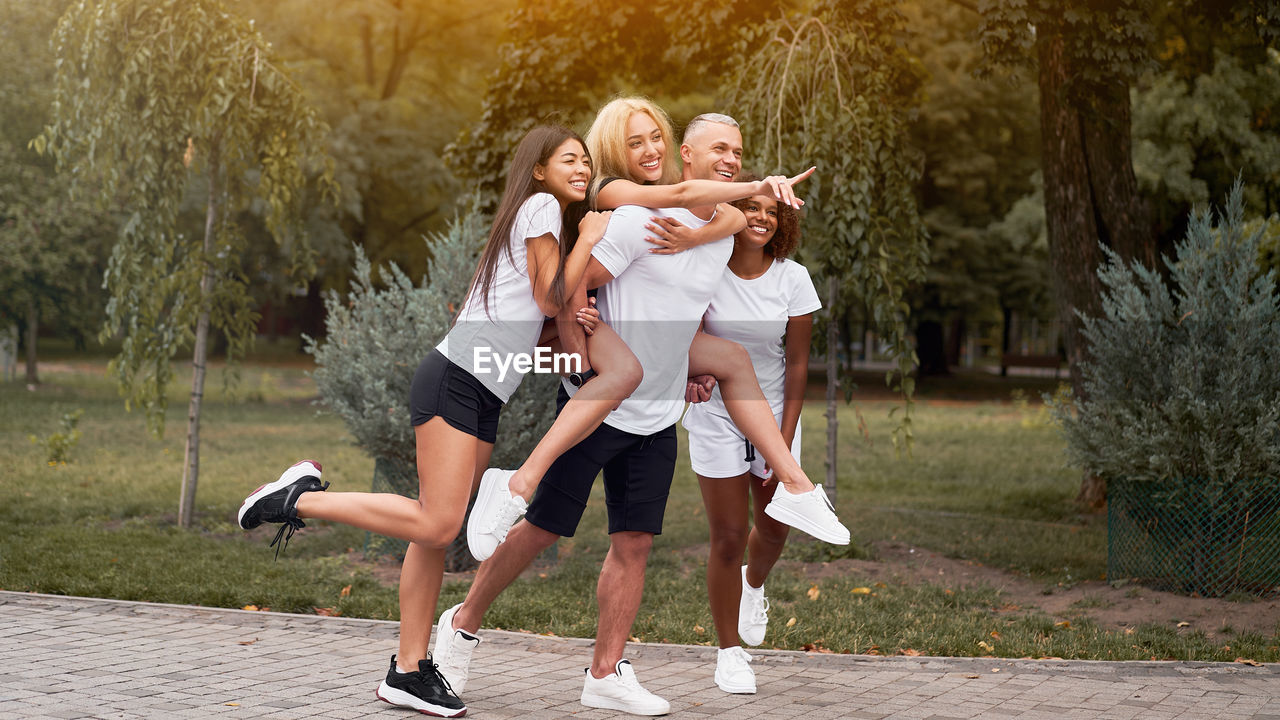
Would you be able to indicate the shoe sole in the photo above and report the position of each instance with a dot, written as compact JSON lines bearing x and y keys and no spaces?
{"x":607,"y":703}
{"x":487,"y":481}
{"x":400,"y":698}
{"x":295,"y":473}
{"x":439,"y":646}
{"x":801,"y":523}
{"x":736,"y":689}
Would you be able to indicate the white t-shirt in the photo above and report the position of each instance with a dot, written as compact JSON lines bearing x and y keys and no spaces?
{"x":754,"y":314}
{"x":514,"y":321}
{"x":655,"y":303}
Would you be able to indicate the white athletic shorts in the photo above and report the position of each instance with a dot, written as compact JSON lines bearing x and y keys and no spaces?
{"x":717,"y":449}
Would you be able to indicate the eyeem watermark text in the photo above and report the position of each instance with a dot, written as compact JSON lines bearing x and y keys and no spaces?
{"x":484,"y":359}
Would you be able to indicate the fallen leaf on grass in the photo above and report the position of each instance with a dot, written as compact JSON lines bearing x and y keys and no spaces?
{"x":911,"y":652}
{"x":633,"y":638}
{"x":699,"y":629}
{"x":328,"y":612}
{"x":791,"y":622}
{"x":1184,"y":624}
{"x":1064,"y":625}
{"x":255,"y":608}
{"x":249,"y":642}
{"x":1247,"y":661}
{"x":995,"y":634}
{"x":346,"y":592}
{"x":860,"y":591}
{"x":985,"y":645}
{"x":813,"y":592}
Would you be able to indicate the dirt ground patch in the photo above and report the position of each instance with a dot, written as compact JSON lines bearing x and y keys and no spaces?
{"x":1112,"y":608}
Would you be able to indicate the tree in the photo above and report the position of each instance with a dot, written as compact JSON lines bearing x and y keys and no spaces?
{"x":981,"y":147}
{"x":834,"y":87}
{"x":51,"y":254}
{"x":1086,"y":56}
{"x":158,"y":99}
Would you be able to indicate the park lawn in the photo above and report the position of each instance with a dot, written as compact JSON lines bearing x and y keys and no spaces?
{"x":986,"y":482}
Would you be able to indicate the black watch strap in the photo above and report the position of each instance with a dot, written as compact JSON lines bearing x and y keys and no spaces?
{"x":579,"y":379}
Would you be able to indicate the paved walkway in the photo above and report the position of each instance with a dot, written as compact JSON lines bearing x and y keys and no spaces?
{"x":64,"y":657}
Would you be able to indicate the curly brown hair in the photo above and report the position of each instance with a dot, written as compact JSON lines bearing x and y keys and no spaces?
{"x":787,"y":236}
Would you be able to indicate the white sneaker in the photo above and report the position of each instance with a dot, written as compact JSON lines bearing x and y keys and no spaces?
{"x":621,"y":691}
{"x":495,"y":511}
{"x":811,"y":512}
{"x":733,"y":673}
{"x":753,"y":612}
{"x":452,"y":651}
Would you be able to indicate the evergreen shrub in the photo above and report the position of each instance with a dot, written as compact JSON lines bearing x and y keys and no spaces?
{"x":375,"y":337}
{"x":1182,"y":412}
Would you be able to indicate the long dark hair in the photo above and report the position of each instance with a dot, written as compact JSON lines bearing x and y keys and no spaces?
{"x":534,"y":149}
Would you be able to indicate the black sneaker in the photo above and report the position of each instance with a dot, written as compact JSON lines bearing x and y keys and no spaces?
{"x":424,"y":690}
{"x":275,"y":502}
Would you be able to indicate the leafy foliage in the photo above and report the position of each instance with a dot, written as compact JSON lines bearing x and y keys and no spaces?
{"x":1182,"y":382}
{"x":149,"y":92}
{"x":58,"y":445}
{"x":376,"y":336}
{"x":553,"y":71}
{"x":835,"y":88}
{"x":51,"y":249}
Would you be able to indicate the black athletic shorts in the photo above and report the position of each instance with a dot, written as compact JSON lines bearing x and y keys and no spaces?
{"x":637,"y":480}
{"x":444,"y":389}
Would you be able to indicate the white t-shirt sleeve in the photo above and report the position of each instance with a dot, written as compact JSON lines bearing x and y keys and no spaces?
{"x":538,"y":216}
{"x":623,"y":240}
{"x":802,"y":297}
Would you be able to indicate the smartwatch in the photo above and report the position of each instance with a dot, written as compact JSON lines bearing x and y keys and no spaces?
{"x":579,"y":379}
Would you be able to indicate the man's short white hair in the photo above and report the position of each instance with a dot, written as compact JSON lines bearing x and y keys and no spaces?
{"x":697,"y":124}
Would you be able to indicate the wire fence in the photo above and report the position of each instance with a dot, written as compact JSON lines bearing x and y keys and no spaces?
{"x":1196,"y":536}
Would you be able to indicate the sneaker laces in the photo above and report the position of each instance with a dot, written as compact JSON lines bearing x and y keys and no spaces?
{"x":434,"y":669}
{"x":290,"y":525}
{"x":508,"y":513}
{"x":759,"y":610}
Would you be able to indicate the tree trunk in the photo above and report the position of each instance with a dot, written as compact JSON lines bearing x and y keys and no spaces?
{"x":833,"y":383}
{"x":931,"y":349}
{"x":1090,"y":197}
{"x":200,"y":356}
{"x":33,"y":325}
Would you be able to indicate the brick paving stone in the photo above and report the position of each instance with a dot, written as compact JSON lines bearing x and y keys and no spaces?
{"x":66,"y":657}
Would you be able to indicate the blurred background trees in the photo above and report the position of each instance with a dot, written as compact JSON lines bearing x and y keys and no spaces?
{"x":1036,"y":130}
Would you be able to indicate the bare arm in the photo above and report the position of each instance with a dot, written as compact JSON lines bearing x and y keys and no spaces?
{"x":543,"y":259}
{"x":799,"y":334}
{"x":697,"y":193}
{"x":672,"y":236}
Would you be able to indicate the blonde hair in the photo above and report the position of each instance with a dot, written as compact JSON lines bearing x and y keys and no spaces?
{"x":607,"y":140}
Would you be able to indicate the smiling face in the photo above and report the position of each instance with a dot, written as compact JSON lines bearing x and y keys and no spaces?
{"x":762,"y":220}
{"x":713,"y":152}
{"x":645,"y":148}
{"x":566,"y":172}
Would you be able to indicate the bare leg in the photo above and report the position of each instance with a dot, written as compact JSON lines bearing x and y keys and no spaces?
{"x":501,"y":569}
{"x":619,"y":374}
{"x":768,"y":536}
{"x":726,"y":503}
{"x":446,"y":466}
{"x":618,"y":594}
{"x":420,"y":577}
{"x":731,"y":366}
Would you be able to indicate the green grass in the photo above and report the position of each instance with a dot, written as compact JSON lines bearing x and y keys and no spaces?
{"x":986,"y":483}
